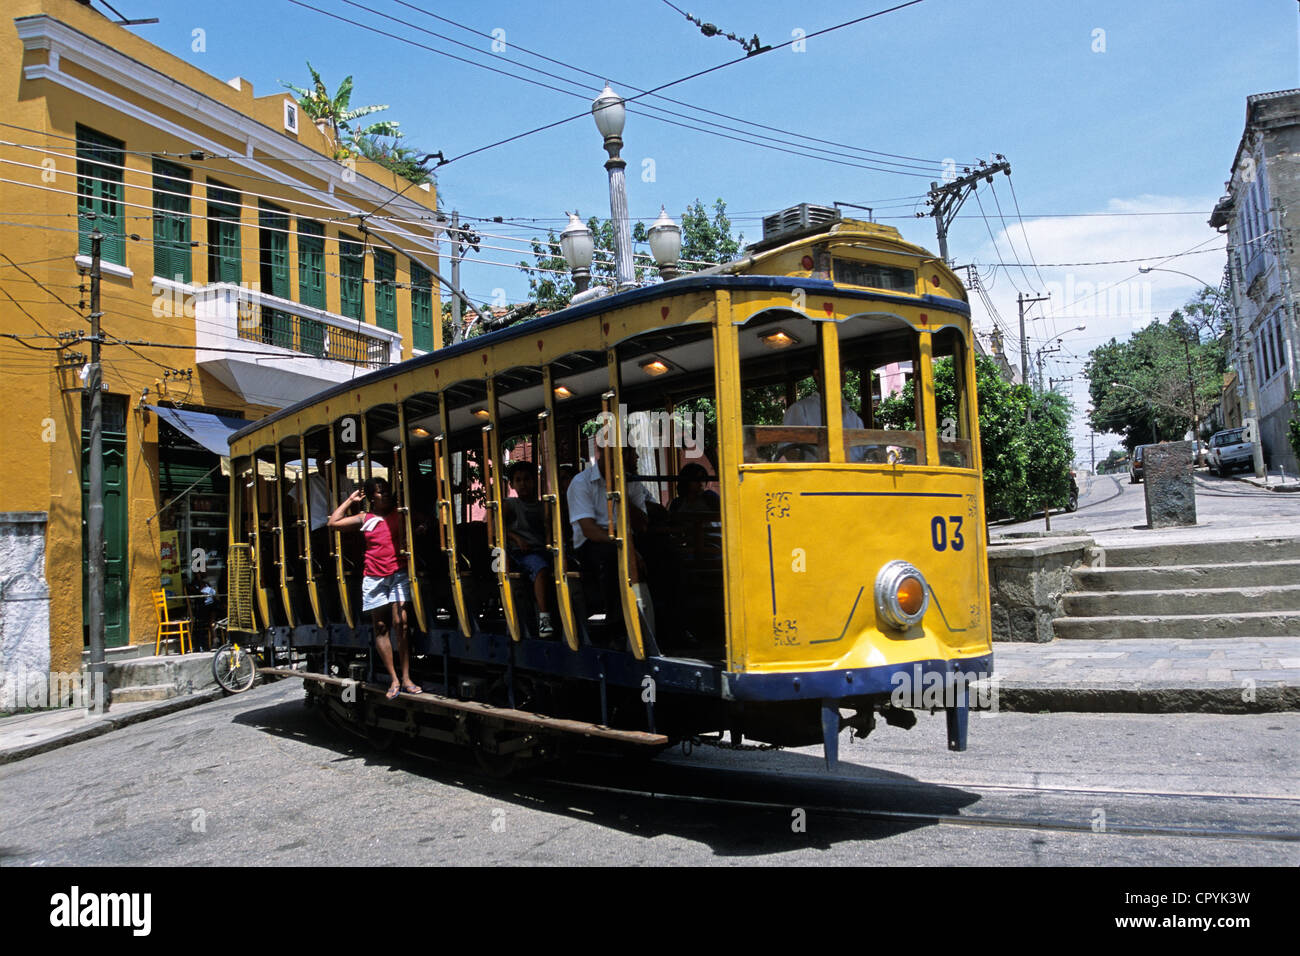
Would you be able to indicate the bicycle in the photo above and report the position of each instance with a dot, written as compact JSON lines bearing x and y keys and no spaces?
{"x":233,"y":666}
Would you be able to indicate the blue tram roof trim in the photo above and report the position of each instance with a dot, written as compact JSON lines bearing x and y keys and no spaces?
{"x":596,"y":306}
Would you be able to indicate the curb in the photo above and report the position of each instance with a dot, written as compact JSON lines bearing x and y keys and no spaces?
{"x":111,"y":723}
{"x":1289,"y":487}
{"x":1225,"y":699}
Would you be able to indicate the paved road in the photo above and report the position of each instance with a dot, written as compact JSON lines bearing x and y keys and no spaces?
{"x":258,"y":779}
{"x":1110,"y":503}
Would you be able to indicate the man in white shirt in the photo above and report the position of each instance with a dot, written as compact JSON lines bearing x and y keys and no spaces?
{"x":589,"y":519}
{"x":808,"y":411}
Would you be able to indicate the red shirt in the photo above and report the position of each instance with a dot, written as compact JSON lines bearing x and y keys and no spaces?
{"x":385,"y":537}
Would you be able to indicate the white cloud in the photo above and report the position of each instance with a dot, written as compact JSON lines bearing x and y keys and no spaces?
{"x":1110,"y":300}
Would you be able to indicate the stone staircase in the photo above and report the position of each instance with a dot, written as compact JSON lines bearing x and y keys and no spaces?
{"x":159,"y":678}
{"x":1244,"y":588}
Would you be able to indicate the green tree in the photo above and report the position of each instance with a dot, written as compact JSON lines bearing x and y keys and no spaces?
{"x":1293,"y":426}
{"x":1026,"y":456}
{"x":1153,"y":386}
{"x":705,"y":238}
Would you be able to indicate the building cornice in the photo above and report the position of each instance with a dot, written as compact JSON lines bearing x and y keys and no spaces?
{"x":64,"y":42}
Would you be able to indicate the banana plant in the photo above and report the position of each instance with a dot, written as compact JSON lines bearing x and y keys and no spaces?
{"x":334,"y":117}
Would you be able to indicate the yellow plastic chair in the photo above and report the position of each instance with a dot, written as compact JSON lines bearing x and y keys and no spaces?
{"x":168,"y":628}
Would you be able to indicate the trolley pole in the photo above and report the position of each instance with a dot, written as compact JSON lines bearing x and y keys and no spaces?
{"x":95,"y":493}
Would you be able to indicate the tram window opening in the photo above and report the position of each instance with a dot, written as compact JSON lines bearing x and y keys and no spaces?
{"x":879,"y":356}
{"x":952,"y":396}
{"x":783,"y":407}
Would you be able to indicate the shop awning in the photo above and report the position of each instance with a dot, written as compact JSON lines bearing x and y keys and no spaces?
{"x":211,"y":431}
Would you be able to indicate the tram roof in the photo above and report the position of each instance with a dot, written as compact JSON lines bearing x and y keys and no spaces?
{"x":575,"y":313}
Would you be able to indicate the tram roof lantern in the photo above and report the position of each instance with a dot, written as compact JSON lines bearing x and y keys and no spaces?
{"x":665,"y":239}
{"x":609,"y":113}
{"x":577,"y":244}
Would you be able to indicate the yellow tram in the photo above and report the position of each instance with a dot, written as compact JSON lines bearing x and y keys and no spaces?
{"x":843,"y":563}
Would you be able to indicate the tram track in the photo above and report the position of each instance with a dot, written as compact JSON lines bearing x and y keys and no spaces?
{"x":927,"y":803}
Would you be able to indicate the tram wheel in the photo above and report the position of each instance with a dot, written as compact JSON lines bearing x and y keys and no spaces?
{"x":233,"y":668}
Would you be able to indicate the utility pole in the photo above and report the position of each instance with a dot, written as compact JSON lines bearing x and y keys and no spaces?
{"x":1022,"y":300}
{"x":1041,"y":353}
{"x":945,"y":200}
{"x":95,"y":494}
{"x":455,"y":277}
{"x":1092,"y":441}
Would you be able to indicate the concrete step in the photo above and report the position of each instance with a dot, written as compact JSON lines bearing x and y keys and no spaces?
{"x":1181,"y":601}
{"x":1177,"y":576}
{"x":137,"y":693}
{"x":1203,"y":552}
{"x":187,"y":673}
{"x":1180,"y":626}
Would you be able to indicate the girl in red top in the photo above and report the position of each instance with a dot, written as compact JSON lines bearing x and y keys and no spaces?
{"x":384,"y":583}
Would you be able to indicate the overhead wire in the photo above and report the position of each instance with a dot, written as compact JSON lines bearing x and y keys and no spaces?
{"x":879,"y":167}
{"x":664,"y":86}
{"x":820,"y":141}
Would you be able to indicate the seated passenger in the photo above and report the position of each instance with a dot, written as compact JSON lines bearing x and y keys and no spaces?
{"x":525,"y":522}
{"x":592,"y":543}
{"x":691,"y":495}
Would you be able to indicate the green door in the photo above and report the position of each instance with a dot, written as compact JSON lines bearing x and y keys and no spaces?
{"x":273,"y":241}
{"x":223,"y":235}
{"x":311,"y":284}
{"x":116,"y":630}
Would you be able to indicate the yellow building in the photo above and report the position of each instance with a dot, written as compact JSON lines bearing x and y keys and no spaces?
{"x":237,"y":279}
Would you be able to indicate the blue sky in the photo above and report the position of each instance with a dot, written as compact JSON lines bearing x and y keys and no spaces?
{"x":1142,"y":119}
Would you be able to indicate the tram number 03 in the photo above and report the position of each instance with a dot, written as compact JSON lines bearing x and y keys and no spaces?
{"x":942,"y":538}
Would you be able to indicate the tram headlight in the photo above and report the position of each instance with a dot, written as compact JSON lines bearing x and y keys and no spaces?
{"x":902,"y":596}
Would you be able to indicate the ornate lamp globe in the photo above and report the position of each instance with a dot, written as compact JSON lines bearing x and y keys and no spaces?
{"x":578,"y":246}
{"x":610,"y":113}
{"x":666,"y":244}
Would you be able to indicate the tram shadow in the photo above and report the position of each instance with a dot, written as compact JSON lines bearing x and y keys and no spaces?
{"x":777,"y":801}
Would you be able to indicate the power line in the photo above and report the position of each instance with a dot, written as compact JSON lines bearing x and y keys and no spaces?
{"x":664,"y":86}
{"x":802,"y":152}
{"x":819,"y":140}
{"x":1023,"y":231}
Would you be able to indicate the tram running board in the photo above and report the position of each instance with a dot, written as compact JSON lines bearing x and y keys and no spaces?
{"x":436,"y":702}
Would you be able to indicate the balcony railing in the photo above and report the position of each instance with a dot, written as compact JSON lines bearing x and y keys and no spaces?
{"x":299,"y":333}
{"x":272,"y":351}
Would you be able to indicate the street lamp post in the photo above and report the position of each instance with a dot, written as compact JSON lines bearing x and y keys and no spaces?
{"x":610,"y":116}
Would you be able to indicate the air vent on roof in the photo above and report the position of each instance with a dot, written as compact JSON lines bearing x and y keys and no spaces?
{"x":798,"y":219}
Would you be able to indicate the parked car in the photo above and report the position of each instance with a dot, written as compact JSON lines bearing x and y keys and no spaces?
{"x":1229,"y":450}
{"x":1135,"y":466}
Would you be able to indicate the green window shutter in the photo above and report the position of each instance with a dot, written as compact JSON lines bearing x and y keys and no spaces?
{"x":352,"y":270}
{"x":223,"y":235}
{"x":311,"y":264}
{"x":421,"y":308}
{"x":273,"y":249}
{"x":171,"y":222}
{"x":100,"y":194}
{"x":385,"y":290}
